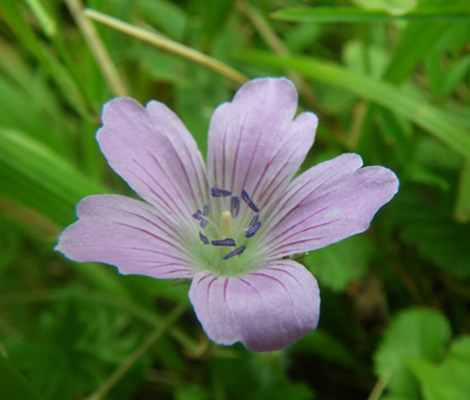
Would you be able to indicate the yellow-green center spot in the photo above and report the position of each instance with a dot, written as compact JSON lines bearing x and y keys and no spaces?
{"x":226,"y":224}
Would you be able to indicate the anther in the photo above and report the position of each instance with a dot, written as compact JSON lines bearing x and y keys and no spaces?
{"x":203,"y":238}
{"x":252,"y":229}
{"x":205,"y":211}
{"x":224,"y":242}
{"x":254,"y":220}
{"x":197,"y":214}
{"x":249,"y":202}
{"x":235,"y":206}
{"x":236,"y":252}
{"x":216,"y":192}
{"x":203,"y":223}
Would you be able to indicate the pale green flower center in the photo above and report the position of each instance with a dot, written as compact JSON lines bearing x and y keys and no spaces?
{"x":227,"y":236}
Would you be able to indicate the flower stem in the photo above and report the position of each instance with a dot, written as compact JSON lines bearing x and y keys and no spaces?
{"x":138,"y":353}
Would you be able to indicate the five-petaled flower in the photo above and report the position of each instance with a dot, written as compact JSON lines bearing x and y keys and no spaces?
{"x":228,"y":225}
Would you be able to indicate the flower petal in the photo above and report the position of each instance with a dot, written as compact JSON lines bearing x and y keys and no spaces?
{"x":152,"y":150}
{"x":254,"y":143}
{"x":327,"y":203}
{"x":267,"y":309}
{"x":129,"y":234}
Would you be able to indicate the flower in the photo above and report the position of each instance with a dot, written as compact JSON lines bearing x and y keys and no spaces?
{"x":227,"y":226}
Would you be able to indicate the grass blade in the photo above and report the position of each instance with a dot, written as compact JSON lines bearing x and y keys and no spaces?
{"x":439,"y":124}
{"x":462,"y":205}
{"x":13,"y":385}
{"x":36,"y":177}
{"x":354,"y":15}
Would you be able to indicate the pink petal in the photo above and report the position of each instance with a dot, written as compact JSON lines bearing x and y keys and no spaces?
{"x":152,"y":150}
{"x":128,"y":234}
{"x":267,"y":309}
{"x":254,"y":143}
{"x":327,"y":203}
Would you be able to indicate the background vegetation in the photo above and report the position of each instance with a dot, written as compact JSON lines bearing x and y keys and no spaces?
{"x":389,"y":79}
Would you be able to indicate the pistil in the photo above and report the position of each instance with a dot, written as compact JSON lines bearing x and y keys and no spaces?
{"x":224,"y":235}
{"x":226,"y":224}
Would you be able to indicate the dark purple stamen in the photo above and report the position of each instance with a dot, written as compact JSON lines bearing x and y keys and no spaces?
{"x":203,"y":223}
{"x":216,"y":192}
{"x":249,"y":202}
{"x":224,"y":242}
{"x":203,"y":238}
{"x":205,"y":211}
{"x":254,"y":220}
{"x":236,"y":252}
{"x":252,"y":229}
{"x":235,"y":206}
{"x":197,"y":214}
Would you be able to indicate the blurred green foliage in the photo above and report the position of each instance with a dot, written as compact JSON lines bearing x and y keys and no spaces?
{"x":394,"y":300}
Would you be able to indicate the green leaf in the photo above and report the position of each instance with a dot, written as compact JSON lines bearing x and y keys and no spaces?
{"x":434,"y":155}
{"x":160,"y":66}
{"x":73,"y":345}
{"x":213,"y":15}
{"x":353,"y":55}
{"x":165,"y":15}
{"x":415,"y":332}
{"x":192,"y":392}
{"x":351,"y":14}
{"x":323,"y":345}
{"x":419,"y":174}
{"x":302,"y":36}
{"x":462,"y":205}
{"x":392,"y":397}
{"x":416,"y":40}
{"x":13,"y":100}
{"x":425,"y":115}
{"x":455,"y":75}
{"x":12,"y":384}
{"x":414,"y":43}
{"x":197,"y":100}
{"x":68,"y":87}
{"x":448,"y":380}
{"x":387,"y":5}
{"x":9,"y":245}
{"x":263,"y":376}
{"x":47,"y":23}
{"x":337,"y":265}
{"x":424,"y":221}
{"x":443,"y":78}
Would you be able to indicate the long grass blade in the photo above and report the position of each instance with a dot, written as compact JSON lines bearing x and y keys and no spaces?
{"x":354,"y":15}
{"x":36,"y":177}
{"x":438,"y":123}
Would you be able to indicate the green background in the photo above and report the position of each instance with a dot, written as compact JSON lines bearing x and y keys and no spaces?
{"x":389,"y":79}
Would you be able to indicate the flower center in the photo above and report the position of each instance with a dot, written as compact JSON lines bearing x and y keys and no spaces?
{"x":225,"y":233}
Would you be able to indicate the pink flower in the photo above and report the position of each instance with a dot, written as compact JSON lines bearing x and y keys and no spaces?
{"x":228,"y":225}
